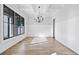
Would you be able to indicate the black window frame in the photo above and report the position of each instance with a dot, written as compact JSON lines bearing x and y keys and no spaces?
{"x":13,"y":15}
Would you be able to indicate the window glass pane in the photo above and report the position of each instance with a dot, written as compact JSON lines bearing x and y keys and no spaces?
{"x":19,"y":30}
{"x":22,"y":29}
{"x":5,"y":18}
{"x":6,"y":14}
{"x":5,"y":30}
{"x":17,"y":24}
{"x":6,"y":10}
{"x":22,"y":25}
{"x":11,"y":30}
{"x":17,"y":19}
{"x":15,"y":30}
{"x":11,"y":16}
{"x":10,"y":20}
{"x":22,"y":21}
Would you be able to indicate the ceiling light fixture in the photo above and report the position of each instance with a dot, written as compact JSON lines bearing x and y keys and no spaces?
{"x":39,"y":17}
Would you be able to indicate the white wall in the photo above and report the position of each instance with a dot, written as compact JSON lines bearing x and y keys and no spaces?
{"x":1,"y":24}
{"x":37,"y":29}
{"x":5,"y":44}
{"x":67,"y":29}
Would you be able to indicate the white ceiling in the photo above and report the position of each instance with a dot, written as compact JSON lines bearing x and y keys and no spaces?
{"x":45,"y":9}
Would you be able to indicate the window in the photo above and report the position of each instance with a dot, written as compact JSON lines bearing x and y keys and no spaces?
{"x":11,"y":18}
{"x":13,"y":23}
{"x":22,"y":25}
{"x":6,"y":22}
{"x":16,"y":24}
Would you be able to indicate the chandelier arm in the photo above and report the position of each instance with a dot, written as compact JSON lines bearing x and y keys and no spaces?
{"x":39,"y":18}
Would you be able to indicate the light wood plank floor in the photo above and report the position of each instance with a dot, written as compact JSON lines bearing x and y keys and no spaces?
{"x":48,"y":47}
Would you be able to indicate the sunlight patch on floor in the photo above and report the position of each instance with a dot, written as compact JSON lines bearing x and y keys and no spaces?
{"x":39,"y":39}
{"x":54,"y":54}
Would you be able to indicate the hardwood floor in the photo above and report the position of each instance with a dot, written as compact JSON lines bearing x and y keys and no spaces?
{"x":47,"y":47}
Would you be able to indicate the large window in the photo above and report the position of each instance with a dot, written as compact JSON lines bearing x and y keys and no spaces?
{"x":13,"y":23}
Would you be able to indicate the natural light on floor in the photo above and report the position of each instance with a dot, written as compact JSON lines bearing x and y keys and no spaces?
{"x":40,"y":38}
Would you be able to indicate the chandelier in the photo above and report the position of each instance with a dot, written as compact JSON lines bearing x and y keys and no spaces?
{"x":39,"y":17}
